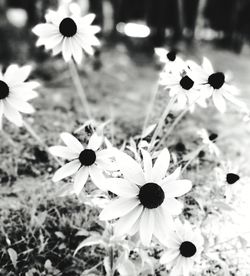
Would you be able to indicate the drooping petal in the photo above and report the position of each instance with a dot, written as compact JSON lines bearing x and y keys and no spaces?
{"x":219,"y":101}
{"x":12,"y":114}
{"x":97,"y":177}
{"x":66,"y":49}
{"x":161,"y":165}
{"x":147,"y":225}
{"x":77,"y":51}
{"x":122,"y":187}
{"x":63,"y":152}
{"x":80,"y":180}
{"x":118,"y":208}
{"x":71,"y":142}
{"x":131,"y":170}
{"x":66,"y":170}
{"x":177,"y":188}
{"x":125,"y":224}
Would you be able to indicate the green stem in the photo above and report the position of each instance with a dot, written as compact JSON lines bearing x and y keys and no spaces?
{"x":79,"y":88}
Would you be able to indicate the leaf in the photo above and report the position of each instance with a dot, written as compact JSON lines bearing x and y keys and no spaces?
{"x":148,"y":130}
{"x":13,"y":256}
{"x":90,"y":242}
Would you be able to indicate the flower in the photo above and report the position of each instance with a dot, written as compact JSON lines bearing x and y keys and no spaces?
{"x":68,"y":34}
{"x":215,"y":84}
{"x":15,"y":93}
{"x":183,"y":87}
{"x":146,"y":197}
{"x":184,"y":246}
{"x":83,"y":161}
{"x":209,"y":140}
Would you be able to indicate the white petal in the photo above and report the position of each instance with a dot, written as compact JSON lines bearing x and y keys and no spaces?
{"x":147,"y":225}
{"x":161,"y":165}
{"x":169,"y":256}
{"x":122,"y":187}
{"x":66,"y":49}
{"x":88,"y":19}
{"x":97,"y":177}
{"x":147,"y":165}
{"x":45,"y":30}
{"x":94,"y":29}
{"x":173,"y":176}
{"x":95,"y":142}
{"x":12,"y":114}
{"x":118,"y":208}
{"x":30,"y":85}
{"x":173,"y":206}
{"x":177,"y":188}
{"x":10,"y":73}
{"x":84,"y":44}
{"x":80,"y":179}
{"x":21,"y":75}
{"x":207,"y":65}
{"x":219,"y":101}
{"x":131,"y":170}
{"x":20,"y":105}
{"x":53,"y":41}
{"x":66,"y":170}
{"x":125,"y":224}
{"x":57,"y":49}
{"x":71,"y":142}
{"x":77,"y":51}
{"x":106,"y":164}
{"x":63,"y":152}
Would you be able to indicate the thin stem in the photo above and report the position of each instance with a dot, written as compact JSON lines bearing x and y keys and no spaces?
{"x":161,"y":121}
{"x":39,"y":140}
{"x":149,"y":109}
{"x":79,"y":88}
{"x":176,"y":121}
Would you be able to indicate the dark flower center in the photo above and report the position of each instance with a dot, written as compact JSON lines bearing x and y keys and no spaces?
{"x":232,"y":178}
{"x":186,"y":83}
{"x":216,"y":80}
{"x":4,"y":90}
{"x":171,"y":55}
{"x":68,"y":27}
{"x":213,"y":136}
{"x":87,"y":157}
{"x":187,"y":249}
{"x":151,"y":195}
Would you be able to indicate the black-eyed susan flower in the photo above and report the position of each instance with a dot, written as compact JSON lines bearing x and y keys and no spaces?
{"x":68,"y":35}
{"x":83,"y":161}
{"x":15,"y":92}
{"x":146,"y":197}
{"x":184,"y":246}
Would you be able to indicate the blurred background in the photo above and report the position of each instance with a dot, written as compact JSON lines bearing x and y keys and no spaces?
{"x":141,"y":25}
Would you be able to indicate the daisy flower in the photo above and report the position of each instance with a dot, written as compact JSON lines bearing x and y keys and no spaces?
{"x":146,"y":197}
{"x":68,"y":34}
{"x":83,"y":161}
{"x":215,"y":84}
{"x":184,"y":246}
{"x":183,"y":87}
{"x":15,"y":93}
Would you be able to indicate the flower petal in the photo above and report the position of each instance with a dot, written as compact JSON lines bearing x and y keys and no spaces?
{"x":169,"y":256}
{"x":66,"y":170}
{"x":207,"y":65}
{"x":20,"y":105}
{"x":98,"y":177}
{"x":118,"y":208}
{"x":66,"y":49}
{"x":71,"y":142}
{"x":147,"y":225}
{"x":161,"y":165}
{"x":76,"y":50}
{"x":173,"y":206}
{"x":219,"y":101}
{"x":177,"y":188}
{"x":95,"y":142}
{"x":147,"y":165}
{"x":10,"y":73}
{"x":125,"y":224}
{"x":122,"y":187}
{"x":63,"y":152}
{"x":45,"y":30}
{"x":80,"y":180}
{"x":12,"y":114}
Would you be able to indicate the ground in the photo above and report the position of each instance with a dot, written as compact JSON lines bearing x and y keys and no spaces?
{"x":40,"y":226}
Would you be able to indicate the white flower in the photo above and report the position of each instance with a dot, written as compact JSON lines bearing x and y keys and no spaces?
{"x":83,"y":161}
{"x":146,"y":197}
{"x":15,"y":93}
{"x":209,"y":140}
{"x":215,"y":84}
{"x":68,"y":34}
{"x":184,"y":246}
{"x":183,"y":87}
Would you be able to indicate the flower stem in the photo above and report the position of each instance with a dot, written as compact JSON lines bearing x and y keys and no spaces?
{"x":39,"y":140}
{"x":79,"y":88}
{"x":176,"y":121}
{"x":149,"y":109}
{"x":161,"y":121}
